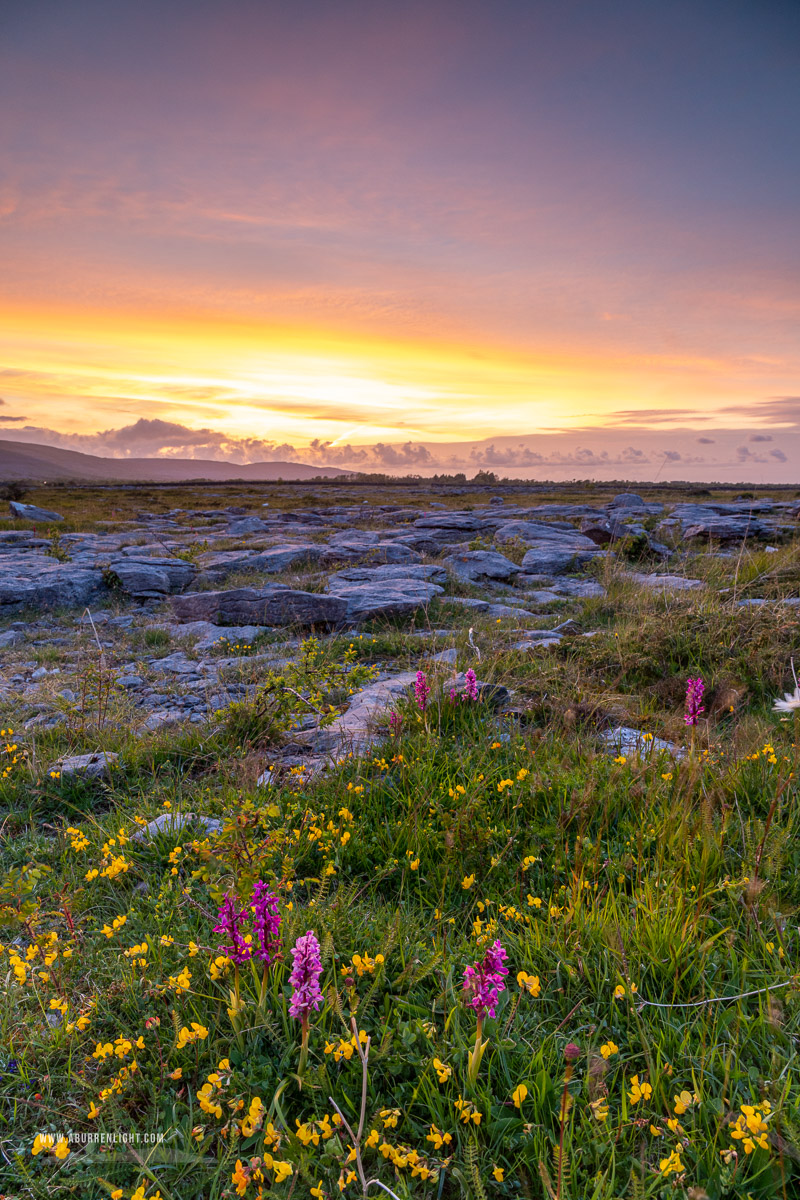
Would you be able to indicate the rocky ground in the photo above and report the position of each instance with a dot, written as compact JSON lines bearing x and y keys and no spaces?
{"x":189,"y":608}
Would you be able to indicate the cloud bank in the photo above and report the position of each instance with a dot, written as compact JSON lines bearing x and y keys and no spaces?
{"x":642,"y":453}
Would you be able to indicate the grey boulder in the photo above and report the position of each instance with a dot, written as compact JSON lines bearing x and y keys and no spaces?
{"x":471,"y":565}
{"x":271,"y":605}
{"x":90,"y":766}
{"x":29,"y":512}
{"x":548,"y":558}
{"x":152,"y":577}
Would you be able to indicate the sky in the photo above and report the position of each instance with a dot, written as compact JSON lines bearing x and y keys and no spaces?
{"x":554,"y":238}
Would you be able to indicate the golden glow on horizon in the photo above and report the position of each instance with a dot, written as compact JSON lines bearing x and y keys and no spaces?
{"x":78,"y":372}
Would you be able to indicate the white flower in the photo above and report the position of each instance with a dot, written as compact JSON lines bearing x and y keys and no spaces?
{"x":790,"y":702}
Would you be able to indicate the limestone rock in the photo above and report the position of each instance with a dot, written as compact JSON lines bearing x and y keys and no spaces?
{"x":548,"y":558}
{"x":29,"y":512}
{"x":90,"y":766}
{"x":271,"y":605}
{"x":481,"y":564}
{"x":174,"y":822}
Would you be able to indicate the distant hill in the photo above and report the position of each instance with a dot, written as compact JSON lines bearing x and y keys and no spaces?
{"x":35,"y":462}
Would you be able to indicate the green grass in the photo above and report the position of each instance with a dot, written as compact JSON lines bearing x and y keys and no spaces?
{"x":470,"y":824}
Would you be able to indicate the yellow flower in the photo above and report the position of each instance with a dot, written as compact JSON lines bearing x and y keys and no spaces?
{"x":639,"y":1091}
{"x":282,"y":1170}
{"x":318,"y":1192}
{"x":240,"y":1177}
{"x":529,"y":983}
{"x":61,"y":1148}
{"x":682,"y":1102}
{"x":599,"y":1108}
{"x":439,"y":1138}
{"x":673,"y":1163}
{"x":442,"y":1070}
{"x":94,"y":1111}
{"x":42,"y":1141}
{"x":499,"y":1174}
{"x":520,"y":1092}
{"x":414,"y":864}
{"x":177,"y":1073}
{"x":467,"y":882}
{"x":609,"y":1048}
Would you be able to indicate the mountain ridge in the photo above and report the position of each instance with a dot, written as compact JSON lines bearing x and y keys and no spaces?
{"x":40,"y":462}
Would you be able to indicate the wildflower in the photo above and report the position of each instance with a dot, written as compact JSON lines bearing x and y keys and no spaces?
{"x":439,"y":1138}
{"x":197,"y":1033}
{"x":599,"y":1108}
{"x":609,"y":1048}
{"x":240,"y":1177}
{"x":519,"y":1094}
{"x":422,"y":690}
{"x":639,"y":1091}
{"x":484,"y":981}
{"x":789,"y":703}
{"x":305,"y":976}
{"x":470,"y":685}
{"x":683,"y":1102}
{"x":529,"y":983}
{"x":266,"y":923}
{"x":254,"y":1118}
{"x":442,"y":1070}
{"x":395,"y":721}
{"x":229,"y":922}
{"x":467,"y":882}
{"x":673,"y":1163}
{"x":467,"y":1111}
{"x":499,"y":1174}
{"x":694,"y":698}
{"x":390,"y":1117}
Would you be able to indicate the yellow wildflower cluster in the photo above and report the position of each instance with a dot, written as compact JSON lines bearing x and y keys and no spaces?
{"x":180,"y":983}
{"x":362,"y":964}
{"x":467,"y":1111}
{"x":197,"y":1033}
{"x":136,"y":954}
{"x":50,"y":1145}
{"x":346,"y":1047}
{"x":750,"y":1128}
{"x":404,"y":1157}
{"x":77,"y":838}
{"x":11,"y":750}
{"x":311,"y":1132}
{"x":253,"y":1172}
{"x":672,"y":1163}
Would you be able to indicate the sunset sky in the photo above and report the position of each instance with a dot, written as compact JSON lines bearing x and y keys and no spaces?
{"x":559,"y":237}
